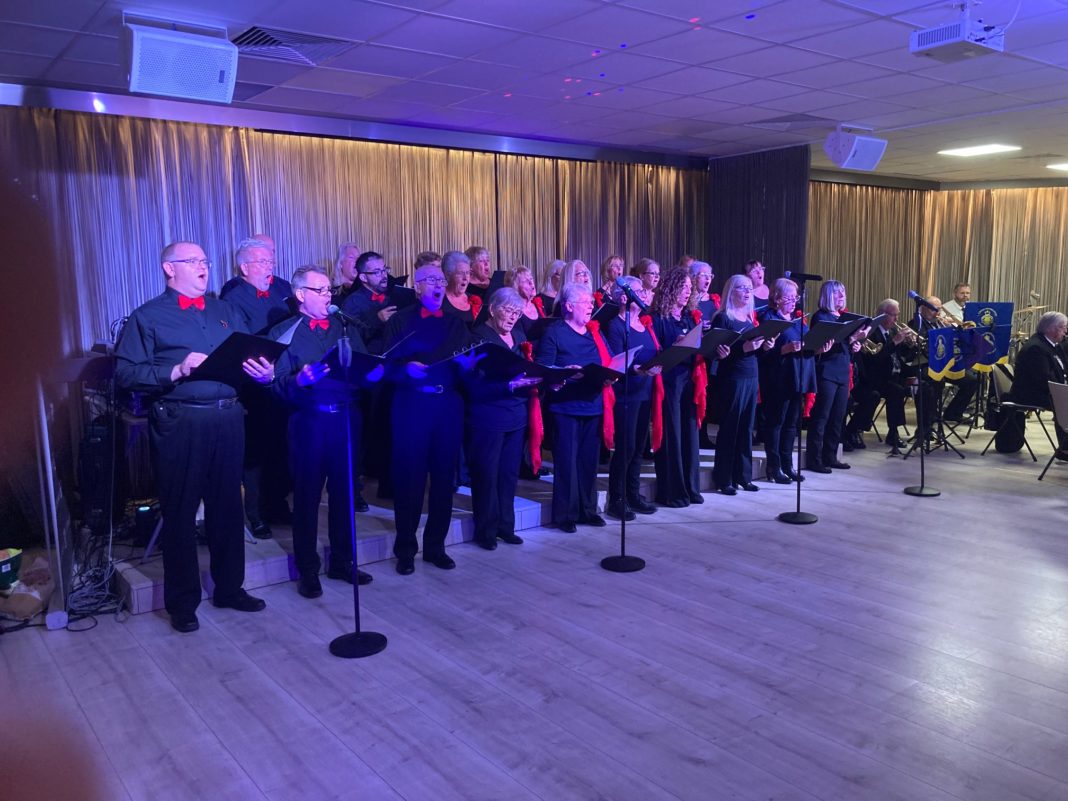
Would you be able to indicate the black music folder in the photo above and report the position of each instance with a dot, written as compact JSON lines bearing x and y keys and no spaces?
{"x":224,"y":363}
{"x":682,"y":350}
{"x":715,"y":337}
{"x":766,"y":330}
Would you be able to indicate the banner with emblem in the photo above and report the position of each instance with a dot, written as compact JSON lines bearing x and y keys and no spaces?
{"x":993,"y":321}
{"x":940,"y":353}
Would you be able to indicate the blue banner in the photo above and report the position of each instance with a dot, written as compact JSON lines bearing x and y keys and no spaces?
{"x":994,"y":320}
{"x":940,"y":352}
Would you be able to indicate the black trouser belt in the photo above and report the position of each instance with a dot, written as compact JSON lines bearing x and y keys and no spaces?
{"x":221,"y":403}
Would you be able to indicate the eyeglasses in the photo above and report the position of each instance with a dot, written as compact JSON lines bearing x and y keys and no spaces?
{"x":270,"y":262}
{"x":379,"y":271}
{"x":788,"y":299}
{"x":321,"y":291}
{"x":656,"y":274}
{"x":433,"y":281}
{"x":199,"y":262}
{"x":510,"y":312}
{"x":582,"y":273}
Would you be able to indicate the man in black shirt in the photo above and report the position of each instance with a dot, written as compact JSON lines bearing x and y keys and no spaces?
{"x":375,"y":300}
{"x":325,"y":416}
{"x":197,"y":434}
{"x":261,"y":301}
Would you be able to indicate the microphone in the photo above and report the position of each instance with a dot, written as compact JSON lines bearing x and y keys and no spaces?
{"x":802,"y":276}
{"x":921,"y":301}
{"x":336,"y":311}
{"x":630,"y":294}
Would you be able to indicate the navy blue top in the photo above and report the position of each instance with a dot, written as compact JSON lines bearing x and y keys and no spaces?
{"x":639,"y":387}
{"x":834,"y":364}
{"x":364,"y":310}
{"x":159,"y":334}
{"x":740,"y":365}
{"x":311,"y":345}
{"x":668,"y":330}
{"x":491,"y":406}
{"x":707,"y":308}
{"x":561,"y":346}
{"x":792,"y":373}
{"x":259,"y":314}
{"x":432,"y":341}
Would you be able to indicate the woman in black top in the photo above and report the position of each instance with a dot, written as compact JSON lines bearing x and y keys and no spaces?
{"x":632,"y":409}
{"x":678,"y":460}
{"x":496,"y":413}
{"x":457,"y":269}
{"x":736,"y":391}
{"x":786,"y":373}
{"x":832,"y":386}
{"x":577,"y":408}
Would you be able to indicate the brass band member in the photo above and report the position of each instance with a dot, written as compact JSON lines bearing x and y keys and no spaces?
{"x":1040,"y":361}
{"x":886,"y":359}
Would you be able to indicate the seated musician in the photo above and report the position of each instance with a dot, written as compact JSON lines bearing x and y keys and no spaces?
{"x":1040,"y":361}
{"x":885,"y":358}
{"x":962,"y":293}
{"x":927,"y":319}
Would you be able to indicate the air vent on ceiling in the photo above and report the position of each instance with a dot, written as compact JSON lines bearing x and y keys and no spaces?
{"x":792,"y":122}
{"x":299,"y":48}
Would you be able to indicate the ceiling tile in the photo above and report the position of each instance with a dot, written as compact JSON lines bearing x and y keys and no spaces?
{"x":806,"y":102}
{"x":353,"y":20}
{"x":536,"y":53}
{"x":394,"y":61}
{"x":283,"y":98}
{"x":1013,"y":82}
{"x":357,"y":84}
{"x":976,"y":68}
{"x":614,"y":28}
{"x":498,"y":103}
{"x":623,"y":68}
{"x":698,"y":46}
{"x":834,"y":74}
{"x":690,"y":106}
{"x":934,"y":97}
{"x":756,"y":92}
{"x":876,"y":36}
{"x":859,"y":110}
{"x":787,"y":22}
{"x":625,"y":97}
{"x":75,"y":13}
{"x":16,"y":66}
{"x":529,"y":17}
{"x":425,"y":92}
{"x":103,"y":76}
{"x":479,"y":75}
{"x":890,"y":85}
{"x":262,"y":70}
{"x":445,"y":36}
{"x":558,"y":87}
{"x":740,"y":115}
{"x":772,"y":61}
{"x":693,"y":80}
{"x":381,"y":109}
{"x":34,"y":40}
{"x":706,"y":12}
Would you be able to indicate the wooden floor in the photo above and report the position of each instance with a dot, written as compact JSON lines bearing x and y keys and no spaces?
{"x":900,"y":648}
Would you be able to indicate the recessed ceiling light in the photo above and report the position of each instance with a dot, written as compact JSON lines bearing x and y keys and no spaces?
{"x":978,"y":150}
{"x":1063,"y":166}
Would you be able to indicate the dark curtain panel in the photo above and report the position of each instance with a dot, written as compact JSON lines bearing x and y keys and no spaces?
{"x":759,"y":210}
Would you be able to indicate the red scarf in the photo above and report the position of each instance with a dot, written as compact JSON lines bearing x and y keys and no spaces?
{"x":700,"y":379}
{"x":657,"y":410}
{"x":717,"y":301}
{"x":598,"y":298}
{"x":608,"y":422}
{"x":535,"y":425}
{"x":476,"y":306}
{"x":539,"y":304}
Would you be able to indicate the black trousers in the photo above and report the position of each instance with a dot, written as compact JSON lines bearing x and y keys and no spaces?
{"x":736,"y":401}
{"x":318,"y":455}
{"x":678,"y":460}
{"x":493,"y":458}
{"x":427,"y":432}
{"x":266,"y":475}
{"x":576,"y":448}
{"x":780,"y":427}
{"x":197,"y":454}
{"x":825,"y":423}
{"x":625,"y":467}
{"x":377,"y":458}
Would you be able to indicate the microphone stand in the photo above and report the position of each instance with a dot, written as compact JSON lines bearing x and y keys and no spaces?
{"x":797,"y":517}
{"x":923,"y":428}
{"x":356,"y":644}
{"x":624,"y":563}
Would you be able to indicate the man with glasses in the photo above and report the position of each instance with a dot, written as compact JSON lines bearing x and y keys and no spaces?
{"x":375,"y":300}
{"x":318,"y":429}
{"x":196,"y":431}
{"x":261,"y":301}
{"x":428,"y":412}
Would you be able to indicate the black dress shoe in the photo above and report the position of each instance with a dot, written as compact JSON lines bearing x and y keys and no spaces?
{"x":838,"y":465}
{"x":779,"y":477}
{"x":619,"y":512}
{"x":858,"y":442}
{"x":792,"y":475}
{"x":444,"y":561}
{"x":511,"y":538}
{"x":728,"y":490}
{"x":359,"y":504}
{"x":544,"y":471}
{"x":405,"y":565}
{"x":344,"y":573}
{"x":185,"y":623}
{"x":676,"y":503}
{"x":568,"y":527}
{"x":847,"y":445}
{"x":594,"y":520}
{"x":242,"y":602}
{"x":642,"y":506}
{"x":749,"y":486}
{"x":896,"y":442}
{"x":1061,"y":455}
{"x":818,"y":468}
{"x":488,"y":545}
{"x":261,"y":530}
{"x":697,"y":498}
{"x":308,"y":585}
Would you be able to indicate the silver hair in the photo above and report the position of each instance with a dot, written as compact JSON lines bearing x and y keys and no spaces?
{"x":697,"y":266}
{"x":1050,"y":320}
{"x":300,"y":275}
{"x":569,"y":293}
{"x":888,"y":303}
{"x":245,"y":245}
{"x":506,"y":298}
{"x":453,"y":259}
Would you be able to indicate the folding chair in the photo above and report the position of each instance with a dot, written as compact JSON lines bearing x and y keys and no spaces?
{"x":1059,"y":393}
{"x":1007,"y":409}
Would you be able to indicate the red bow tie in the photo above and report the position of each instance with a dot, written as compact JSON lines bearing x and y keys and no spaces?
{"x":425,"y":312}
{"x":261,"y":294}
{"x":185,"y":303}
{"x":323,"y":324}
{"x":378,"y":297}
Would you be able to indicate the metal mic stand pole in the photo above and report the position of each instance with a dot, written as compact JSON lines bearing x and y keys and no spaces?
{"x":623,"y":563}
{"x":797,"y":517}
{"x":922,"y":430}
{"x":356,"y":644}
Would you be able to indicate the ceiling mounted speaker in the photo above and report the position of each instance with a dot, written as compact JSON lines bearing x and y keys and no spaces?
{"x":159,"y":61}
{"x":853,"y":151}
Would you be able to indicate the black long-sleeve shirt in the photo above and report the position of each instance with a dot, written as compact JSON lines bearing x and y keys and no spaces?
{"x":258,"y":313}
{"x":361,"y":306}
{"x":430,"y":340}
{"x":311,"y":345}
{"x":562,"y":346}
{"x":159,"y":334}
{"x":491,"y":405}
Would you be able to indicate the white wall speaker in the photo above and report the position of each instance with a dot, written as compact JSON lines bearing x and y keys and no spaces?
{"x":853,"y":151}
{"x":179,"y":64}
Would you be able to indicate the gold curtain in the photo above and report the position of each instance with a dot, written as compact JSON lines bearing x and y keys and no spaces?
{"x":117,"y":189}
{"x":1029,"y":246}
{"x":957,"y":243}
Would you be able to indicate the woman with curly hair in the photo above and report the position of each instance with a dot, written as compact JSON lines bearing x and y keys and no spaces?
{"x":677,"y":462}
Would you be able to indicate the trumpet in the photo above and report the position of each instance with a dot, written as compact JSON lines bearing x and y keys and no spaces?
{"x":871,"y":348}
{"x":945,"y":318}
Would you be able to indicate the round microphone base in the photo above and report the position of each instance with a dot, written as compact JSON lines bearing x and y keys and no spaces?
{"x":922,"y":492}
{"x":622,"y":564}
{"x":797,"y":518}
{"x":358,"y":644}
